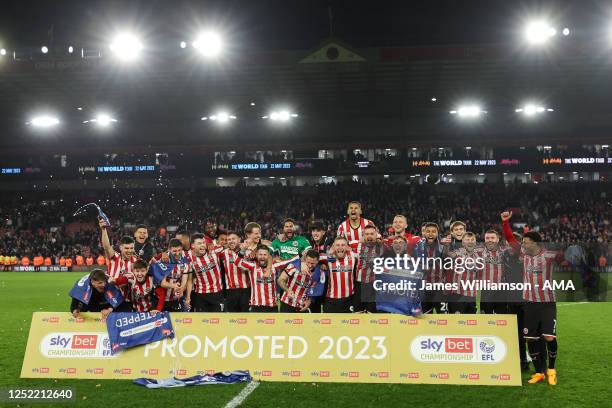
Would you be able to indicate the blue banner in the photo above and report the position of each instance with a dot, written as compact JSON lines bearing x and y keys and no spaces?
{"x":127,"y":330}
{"x":81,"y":291}
{"x":399,"y":290}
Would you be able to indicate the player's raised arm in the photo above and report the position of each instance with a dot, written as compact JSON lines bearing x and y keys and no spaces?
{"x":505,"y":217}
{"x":109,"y":252}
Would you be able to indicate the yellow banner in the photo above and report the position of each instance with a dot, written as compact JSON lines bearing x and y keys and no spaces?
{"x":369,"y":348}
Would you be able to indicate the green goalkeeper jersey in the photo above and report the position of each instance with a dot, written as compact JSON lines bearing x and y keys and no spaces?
{"x":291,"y":247}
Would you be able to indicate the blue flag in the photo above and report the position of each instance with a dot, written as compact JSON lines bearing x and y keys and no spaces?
{"x":81,"y":291}
{"x":226,"y":377}
{"x":317,"y":280}
{"x":407,"y":295}
{"x":127,"y":330}
{"x":159,"y":271}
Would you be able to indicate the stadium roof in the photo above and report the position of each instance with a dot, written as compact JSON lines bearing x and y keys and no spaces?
{"x":342,"y":93}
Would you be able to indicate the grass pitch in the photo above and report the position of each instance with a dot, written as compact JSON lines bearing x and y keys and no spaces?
{"x":584,"y":365}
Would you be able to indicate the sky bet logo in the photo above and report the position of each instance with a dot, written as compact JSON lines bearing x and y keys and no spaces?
{"x":451,"y":345}
{"x":79,"y":341}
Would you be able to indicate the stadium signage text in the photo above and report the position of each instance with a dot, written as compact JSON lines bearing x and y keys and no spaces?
{"x":287,"y":347}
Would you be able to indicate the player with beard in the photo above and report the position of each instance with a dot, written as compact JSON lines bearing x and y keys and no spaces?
{"x":340,"y":264}
{"x":143,"y":248}
{"x":400,"y":224}
{"x":435,"y":300}
{"x":368,"y":250}
{"x":493,"y":255}
{"x":237,"y":279}
{"x":296,"y":282}
{"x":287,"y":244}
{"x":204,"y":288}
{"x":176,"y":280}
{"x":352,"y":228}
{"x":262,"y":277}
{"x":463,"y":298}
{"x":119,"y":263}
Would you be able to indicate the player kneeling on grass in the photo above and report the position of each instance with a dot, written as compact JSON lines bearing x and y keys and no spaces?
{"x":97,"y":302}
{"x":296,"y":282}
{"x":146,"y":297}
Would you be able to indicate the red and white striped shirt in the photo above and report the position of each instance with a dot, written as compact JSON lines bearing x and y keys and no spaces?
{"x":341,"y":281}
{"x":436,"y":274}
{"x":298,"y":283}
{"x":493,"y":263}
{"x":460,"y":277}
{"x":537,"y":270}
{"x":263,"y":288}
{"x":235,"y":278}
{"x":117,"y":266}
{"x":351,"y":234}
{"x":141,"y":292}
{"x":367,"y":253}
{"x":176,"y":275}
{"x":206,"y":273}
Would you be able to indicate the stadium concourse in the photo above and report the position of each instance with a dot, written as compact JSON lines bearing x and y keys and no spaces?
{"x":39,"y":227}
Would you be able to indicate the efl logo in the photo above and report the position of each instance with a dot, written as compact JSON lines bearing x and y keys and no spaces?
{"x":84,"y":341}
{"x":474,"y":376}
{"x":98,"y":371}
{"x":323,"y":373}
{"x":71,"y":370}
{"x":442,"y":322}
{"x":471,"y":322}
{"x":443,"y":376}
{"x":266,"y":373}
{"x":458,"y":345}
{"x":54,"y":319}
{"x":296,"y":373}
{"x":126,"y":371}
{"x":501,"y":322}
{"x":153,"y":371}
{"x":44,"y":370}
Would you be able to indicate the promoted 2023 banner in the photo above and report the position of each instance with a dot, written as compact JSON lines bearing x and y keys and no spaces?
{"x":370,"y":348}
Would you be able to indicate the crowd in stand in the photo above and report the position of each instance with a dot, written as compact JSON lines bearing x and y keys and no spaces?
{"x":40,"y":225}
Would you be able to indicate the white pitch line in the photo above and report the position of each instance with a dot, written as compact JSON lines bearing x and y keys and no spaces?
{"x":246,"y":391}
{"x":573,"y":304}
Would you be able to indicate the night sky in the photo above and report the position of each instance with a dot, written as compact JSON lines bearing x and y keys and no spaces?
{"x":290,"y":24}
